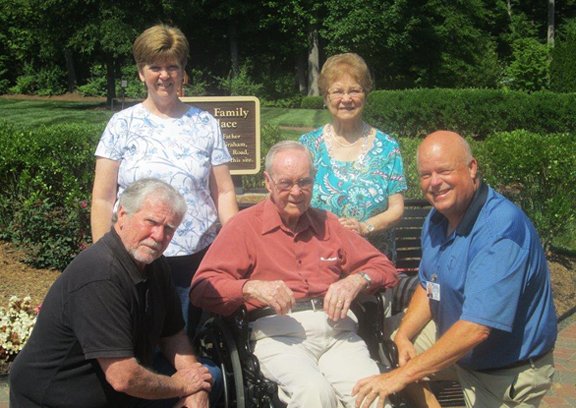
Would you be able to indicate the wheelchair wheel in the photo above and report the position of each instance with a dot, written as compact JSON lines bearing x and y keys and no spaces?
{"x":216,"y":342}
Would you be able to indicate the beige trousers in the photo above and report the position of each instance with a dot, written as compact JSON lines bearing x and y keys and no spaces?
{"x":314,"y":361}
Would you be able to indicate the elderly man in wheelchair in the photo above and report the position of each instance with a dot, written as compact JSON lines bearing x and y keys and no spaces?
{"x":296,"y":271}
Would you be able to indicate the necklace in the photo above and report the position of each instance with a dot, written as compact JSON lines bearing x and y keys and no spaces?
{"x":345,"y":145}
{"x":342,"y":169}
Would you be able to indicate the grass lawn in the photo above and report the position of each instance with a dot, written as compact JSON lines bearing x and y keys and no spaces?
{"x":39,"y":112}
{"x":42,"y":112}
{"x":299,"y":118}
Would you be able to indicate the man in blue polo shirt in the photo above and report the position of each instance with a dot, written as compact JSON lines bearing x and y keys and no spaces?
{"x":485,"y":290}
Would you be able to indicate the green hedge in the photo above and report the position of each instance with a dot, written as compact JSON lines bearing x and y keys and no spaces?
{"x":475,"y":113}
{"x":46,"y":177}
{"x":312,"y":102}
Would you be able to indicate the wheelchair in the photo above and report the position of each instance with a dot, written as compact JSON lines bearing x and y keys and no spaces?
{"x":226,"y":341}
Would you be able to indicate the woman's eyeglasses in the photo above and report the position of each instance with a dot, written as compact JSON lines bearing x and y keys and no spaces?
{"x":338,"y":94}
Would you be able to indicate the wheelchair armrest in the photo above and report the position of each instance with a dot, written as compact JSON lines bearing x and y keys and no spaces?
{"x":390,"y":302}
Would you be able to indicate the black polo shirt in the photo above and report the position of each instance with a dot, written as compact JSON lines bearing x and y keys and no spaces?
{"x":102,"y":306}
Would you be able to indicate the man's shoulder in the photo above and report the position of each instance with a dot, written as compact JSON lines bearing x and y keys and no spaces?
{"x":500,"y":210}
{"x":249,"y":216}
{"x":503,"y":219}
{"x":250,"y":212}
{"x":95,"y":263}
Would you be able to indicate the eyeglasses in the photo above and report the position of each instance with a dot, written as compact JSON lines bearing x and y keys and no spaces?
{"x":286,"y":185}
{"x":338,"y":94}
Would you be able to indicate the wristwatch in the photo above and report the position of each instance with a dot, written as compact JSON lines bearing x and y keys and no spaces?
{"x":367,"y":278}
{"x":368,"y":227}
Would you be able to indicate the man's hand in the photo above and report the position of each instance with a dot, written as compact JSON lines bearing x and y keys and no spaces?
{"x":275,"y":294}
{"x":376,"y":387}
{"x":197,"y":400}
{"x":406,"y":350}
{"x":340,"y":295}
{"x":195,"y":378}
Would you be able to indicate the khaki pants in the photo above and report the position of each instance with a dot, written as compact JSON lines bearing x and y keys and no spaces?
{"x":523,"y":386}
{"x":314,"y":361}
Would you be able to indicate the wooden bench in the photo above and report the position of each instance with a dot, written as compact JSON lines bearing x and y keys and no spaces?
{"x":407,"y":235}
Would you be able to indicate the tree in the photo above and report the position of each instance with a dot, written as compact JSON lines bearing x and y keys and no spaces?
{"x":562,"y":68}
{"x":406,"y":43}
{"x":300,"y":19}
{"x":529,"y":69}
{"x":16,"y":41}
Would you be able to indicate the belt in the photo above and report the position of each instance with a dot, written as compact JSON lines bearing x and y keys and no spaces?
{"x":532,"y":360}
{"x":299,"y":306}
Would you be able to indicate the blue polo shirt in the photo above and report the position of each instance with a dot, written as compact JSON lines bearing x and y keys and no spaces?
{"x":492,"y":271}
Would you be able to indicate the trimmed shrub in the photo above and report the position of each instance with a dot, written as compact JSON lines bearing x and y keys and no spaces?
{"x":47,"y":178}
{"x":269,"y":135}
{"x":45,"y":82}
{"x":312,"y":102}
{"x":471,"y":112}
{"x":530,"y":66}
{"x":537,"y":173}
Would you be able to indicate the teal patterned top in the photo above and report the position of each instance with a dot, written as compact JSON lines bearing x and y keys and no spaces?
{"x":358,"y":190}
{"x":354,"y":191}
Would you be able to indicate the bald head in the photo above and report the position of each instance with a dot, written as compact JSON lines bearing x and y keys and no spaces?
{"x":446,"y":140}
{"x":447,"y":173}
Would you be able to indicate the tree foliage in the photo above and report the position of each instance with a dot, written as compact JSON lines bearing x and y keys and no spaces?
{"x":563,"y":68}
{"x":407,"y":43}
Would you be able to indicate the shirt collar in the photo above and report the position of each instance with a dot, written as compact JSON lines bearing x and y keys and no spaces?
{"x":471,"y":215}
{"x":271,"y":220}
{"x":117,"y":246}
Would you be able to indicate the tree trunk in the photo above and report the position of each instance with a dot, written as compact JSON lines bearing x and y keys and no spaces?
{"x":313,"y":63}
{"x":110,"y":81}
{"x":509,"y":9}
{"x":301,"y":64}
{"x":551,"y":7}
{"x":233,"y":38}
{"x":70,"y":70}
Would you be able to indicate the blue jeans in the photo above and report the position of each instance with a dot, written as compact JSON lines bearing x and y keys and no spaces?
{"x":190,"y":312}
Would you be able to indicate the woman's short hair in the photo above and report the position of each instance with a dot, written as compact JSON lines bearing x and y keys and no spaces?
{"x":136,"y":193}
{"x":340,"y":64}
{"x":160,"y":42}
{"x":286,"y":145}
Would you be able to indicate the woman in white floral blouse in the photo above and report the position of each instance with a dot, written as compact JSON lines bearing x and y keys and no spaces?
{"x":163,"y":137}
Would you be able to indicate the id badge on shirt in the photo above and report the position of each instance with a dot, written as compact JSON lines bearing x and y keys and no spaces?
{"x":433,"y":290}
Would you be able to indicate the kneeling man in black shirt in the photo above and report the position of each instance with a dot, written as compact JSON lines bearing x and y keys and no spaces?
{"x":107,"y":315}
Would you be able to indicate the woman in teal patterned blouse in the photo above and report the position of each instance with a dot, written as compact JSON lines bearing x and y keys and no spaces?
{"x":360,"y":175}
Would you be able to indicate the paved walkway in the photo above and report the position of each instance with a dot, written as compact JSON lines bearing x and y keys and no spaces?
{"x":562,"y":394}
